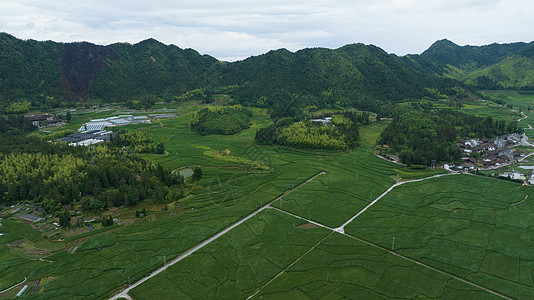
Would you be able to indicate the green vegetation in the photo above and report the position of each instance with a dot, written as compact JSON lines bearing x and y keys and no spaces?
{"x":345,"y":268}
{"x":53,"y":175}
{"x":339,"y":134}
{"x":137,"y":141}
{"x":235,"y":265}
{"x":221,"y":120}
{"x":473,"y":227}
{"x":18,"y":107}
{"x":249,"y":256}
{"x":423,"y":137}
{"x":476,"y":228}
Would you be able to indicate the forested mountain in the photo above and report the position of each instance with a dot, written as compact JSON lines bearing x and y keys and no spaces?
{"x":494,"y":66}
{"x":359,"y":75}
{"x":50,"y":72}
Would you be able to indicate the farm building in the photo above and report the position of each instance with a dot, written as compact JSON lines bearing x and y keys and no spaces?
{"x":324,"y":121}
{"x":32,"y":218}
{"x":100,"y":124}
{"x":43,"y":121}
{"x":87,"y":138}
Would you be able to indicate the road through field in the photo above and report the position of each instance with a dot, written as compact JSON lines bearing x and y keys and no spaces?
{"x":124,"y":293}
{"x":382,"y":248}
{"x":341,"y":229}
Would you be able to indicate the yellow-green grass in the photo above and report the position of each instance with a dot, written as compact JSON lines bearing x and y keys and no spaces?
{"x":477,"y":228}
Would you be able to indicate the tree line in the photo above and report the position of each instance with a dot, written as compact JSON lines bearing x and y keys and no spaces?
{"x":419,"y":138}
{"x":221,"y":120}
{"x":340,"y":133}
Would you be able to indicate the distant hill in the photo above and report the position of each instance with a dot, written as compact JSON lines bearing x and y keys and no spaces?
{"x":81,"y":71}
{"x":492,"y":66}
{"x":360,"y":75}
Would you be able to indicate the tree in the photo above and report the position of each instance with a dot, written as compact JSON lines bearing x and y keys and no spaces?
{"x":160,"y":148}
{"x":107,"y":220}
{"x":197,"y":174}
{"x":68,"y":116}
{"x":64,"y":219}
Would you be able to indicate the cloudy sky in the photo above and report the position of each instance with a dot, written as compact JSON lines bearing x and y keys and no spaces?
{"x":232,"y":30}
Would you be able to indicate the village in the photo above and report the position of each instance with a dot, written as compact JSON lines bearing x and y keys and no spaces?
{"x":493,"y":155}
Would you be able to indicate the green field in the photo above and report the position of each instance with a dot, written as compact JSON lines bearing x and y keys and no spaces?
{"x":521,"y":101}
{"x":476,"y":228}
{"x":441,"y":222}
{"x":345,"y":268}
{"x":235,"y":265}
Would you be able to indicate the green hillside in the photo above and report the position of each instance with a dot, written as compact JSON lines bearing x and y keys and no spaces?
{"x":357,"y":75}
{"x":513,"y":72}
{"x":494,"y":66}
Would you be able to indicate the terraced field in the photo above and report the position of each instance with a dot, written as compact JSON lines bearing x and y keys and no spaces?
{"x":455,"y":237}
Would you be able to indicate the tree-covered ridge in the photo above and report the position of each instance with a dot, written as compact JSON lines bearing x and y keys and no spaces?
{"x":221,"y":120}
{"x":495,"y":66}
{"x":354,"y":75}
{"x":357,"y":75}
{"x":421,"y":137}
{"x":340,"y":133}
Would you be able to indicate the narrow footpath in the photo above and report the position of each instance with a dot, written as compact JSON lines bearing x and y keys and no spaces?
{"x":124,"y":293}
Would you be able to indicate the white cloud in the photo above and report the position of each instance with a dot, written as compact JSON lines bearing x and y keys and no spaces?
{"x":235,"y":29}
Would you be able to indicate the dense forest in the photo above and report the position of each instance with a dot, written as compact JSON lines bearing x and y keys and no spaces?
{"x":55,"y":175}
{"x":340,"y":133}
{"x":221,"y":120}
{"x":56,"y":74}
{"x":420,"y":137}
{"x":50,"y":74}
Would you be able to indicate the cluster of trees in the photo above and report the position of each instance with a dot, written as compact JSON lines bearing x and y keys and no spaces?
{"x":221,"y":120}
{"x":342,"y":133}
{"x":55,"y":175}
{"x":18,"y":107}
{"x":419,"y":138}
{"x":137,"y":141}
{"x":15,"y":124}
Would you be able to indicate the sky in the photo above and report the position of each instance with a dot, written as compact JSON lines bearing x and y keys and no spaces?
{"x":233,"y":30}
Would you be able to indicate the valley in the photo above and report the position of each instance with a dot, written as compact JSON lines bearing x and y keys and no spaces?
{"x":320,"y":173}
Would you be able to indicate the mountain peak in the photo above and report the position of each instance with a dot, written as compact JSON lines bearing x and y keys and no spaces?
{"x":442,"y":44}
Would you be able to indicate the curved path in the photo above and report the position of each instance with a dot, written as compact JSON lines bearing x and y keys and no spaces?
{"x":124,"y":293}
{"x":524,"y":117}
{"x":382,"y":248}
{"x":341,"y":229}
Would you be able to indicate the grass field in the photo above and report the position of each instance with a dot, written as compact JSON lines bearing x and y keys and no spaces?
{"x":345,"y":268}
{"x":442,"y":223}
{"x":481,"y":234}
{"x":521,"y":102}
{"x":235,"y":265}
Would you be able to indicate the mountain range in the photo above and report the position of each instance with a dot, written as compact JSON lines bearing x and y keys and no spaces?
{"x":355,"y":74}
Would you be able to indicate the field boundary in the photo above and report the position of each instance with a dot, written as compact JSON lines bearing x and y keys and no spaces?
{"x":124,"y":293}
{"x":387,"y":250}
{"x":290,"y":265}
{"x":341,"y":229}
